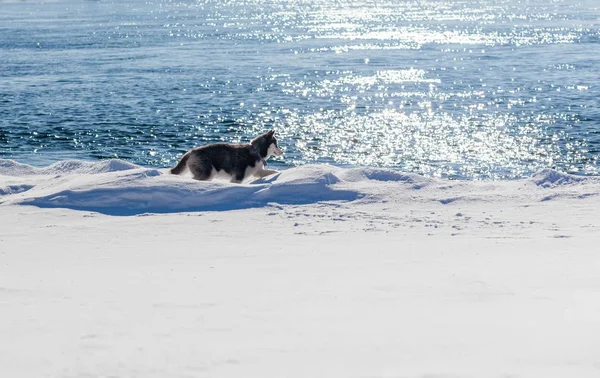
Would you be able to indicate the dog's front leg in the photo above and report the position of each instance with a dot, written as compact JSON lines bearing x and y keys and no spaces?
{"x":265,"y":172}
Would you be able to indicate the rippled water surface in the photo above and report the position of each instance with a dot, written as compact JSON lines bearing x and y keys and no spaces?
{"x":461,"y":89}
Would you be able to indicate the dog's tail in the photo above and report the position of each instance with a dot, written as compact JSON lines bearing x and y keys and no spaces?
{"x":181,"y":165}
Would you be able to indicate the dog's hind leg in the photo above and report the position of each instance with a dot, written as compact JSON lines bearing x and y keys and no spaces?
{"x":201,"y":170}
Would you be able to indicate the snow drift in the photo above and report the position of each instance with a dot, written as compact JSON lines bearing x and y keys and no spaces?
{"x":116,"y":187}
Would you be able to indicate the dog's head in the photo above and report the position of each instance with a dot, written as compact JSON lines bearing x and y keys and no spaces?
{"x":272,"y":143}
{"x":266,"y":145}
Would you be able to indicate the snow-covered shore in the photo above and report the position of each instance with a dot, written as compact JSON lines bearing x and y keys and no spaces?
{"x":109,"y":269}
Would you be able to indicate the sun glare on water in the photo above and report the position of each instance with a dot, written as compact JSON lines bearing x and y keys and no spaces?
{"x":467,"y":90}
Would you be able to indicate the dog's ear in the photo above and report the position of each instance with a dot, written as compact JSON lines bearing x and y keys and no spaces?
{"x":271,"y":133}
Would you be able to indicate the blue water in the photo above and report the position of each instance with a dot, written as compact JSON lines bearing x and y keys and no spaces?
{"x":489,"y":89}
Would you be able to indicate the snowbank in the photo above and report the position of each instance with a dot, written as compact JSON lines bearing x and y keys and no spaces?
{"x":115,"y":187}
{"x":319,"y":272}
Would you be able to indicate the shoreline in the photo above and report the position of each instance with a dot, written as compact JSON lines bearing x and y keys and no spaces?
{"x":407,"y":276}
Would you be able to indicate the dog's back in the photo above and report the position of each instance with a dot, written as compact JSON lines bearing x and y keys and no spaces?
{"x":207,"y":161}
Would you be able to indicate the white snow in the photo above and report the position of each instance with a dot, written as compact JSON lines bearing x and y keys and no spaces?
{"x":108,"y":269}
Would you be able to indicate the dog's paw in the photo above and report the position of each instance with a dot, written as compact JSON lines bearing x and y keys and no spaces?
{"x":267,"y":179}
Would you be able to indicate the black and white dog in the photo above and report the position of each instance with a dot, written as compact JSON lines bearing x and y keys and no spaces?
{"x":235,"y":162}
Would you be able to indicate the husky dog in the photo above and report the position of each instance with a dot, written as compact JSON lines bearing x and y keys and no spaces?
{"x":234,"y":161}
